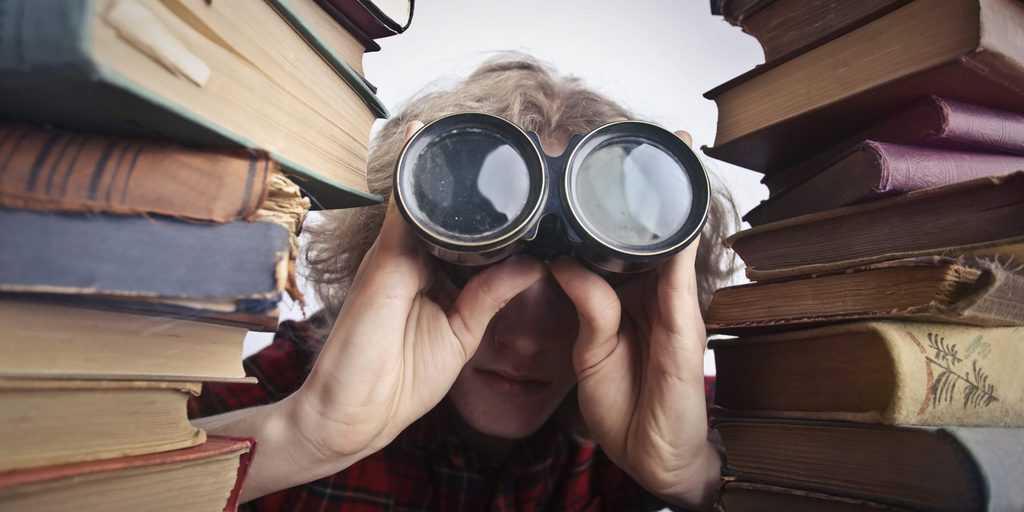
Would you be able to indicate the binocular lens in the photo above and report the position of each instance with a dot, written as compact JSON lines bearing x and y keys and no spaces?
{"x":632,"y":194}
{"x":470,"y":184}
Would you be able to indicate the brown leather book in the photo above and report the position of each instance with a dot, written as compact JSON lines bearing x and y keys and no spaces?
{"x":739,"y":495}
{"x":889,"y":372}
{"x":204,"y":478}
{"x":946,"y":469}
{"x":969,"y":50}
{"x":981,"y":216}
{"x":44,"y":169}
{"x":786,"y":28}
{"x":974,"y":292}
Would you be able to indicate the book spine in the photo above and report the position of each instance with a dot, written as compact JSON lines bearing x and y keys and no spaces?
{"x":63,"y":171}
{"x":955,"y":375}
{"x":138,"y":257}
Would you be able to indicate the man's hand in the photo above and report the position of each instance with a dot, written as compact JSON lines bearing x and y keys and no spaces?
{"x":639,"y":364}
{"x":391,"y":357}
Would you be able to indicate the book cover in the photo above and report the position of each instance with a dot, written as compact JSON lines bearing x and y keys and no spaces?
{"x":971,"y":291}
{"x":931,"y":122}
{"x":985,"y":215}
{"x":138,"y":258}
{"x":205,"y":477}
{"x":376,"y":19}
{"x":85,"y":65}
{"x":969,"y":50}
{"x":872,"y":169}
{"x":885,"y":372}
{"x":739,"y":495}
{"x":943,"y":469}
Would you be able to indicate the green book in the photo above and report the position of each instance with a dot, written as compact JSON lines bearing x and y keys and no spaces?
{"x":208,"y":74}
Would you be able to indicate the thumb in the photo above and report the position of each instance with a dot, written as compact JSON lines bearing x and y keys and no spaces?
{"x":486,"y":293}
{"x":599,"y":312}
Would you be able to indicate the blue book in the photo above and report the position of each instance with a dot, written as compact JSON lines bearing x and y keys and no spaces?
{"x":237,"y":266}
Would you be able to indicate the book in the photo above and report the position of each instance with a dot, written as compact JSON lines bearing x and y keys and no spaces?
{"x":887,"y":372}
{"x":375,"y":18}
{"x":871,"y":170}
{"x":205,"y":478}
{"x":200,"y":73}
{"x":972,"y":292}
{"x":138,"y":258}
{"x":57,"y":421}
{"x":789,"y":27}
{"x":55,"y":340}
{"x":331,"y":39}
{"x":969,"y":50}
{"x":941,"y":469}
{"x":738,"y":495}
{"x":981,"y":216}
{"x":931,"y":122}
{"x":47,"y":169}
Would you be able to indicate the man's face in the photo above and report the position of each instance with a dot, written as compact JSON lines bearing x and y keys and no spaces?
{"x":523,"y":368}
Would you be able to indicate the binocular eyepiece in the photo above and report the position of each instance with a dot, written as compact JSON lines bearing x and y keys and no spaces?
{"x":622,"y":198}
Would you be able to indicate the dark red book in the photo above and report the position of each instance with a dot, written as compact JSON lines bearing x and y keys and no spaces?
{"x":933,"y":122}
{"x":373,"y":19}
{"x":207,"y":477}
{"x":871,"y":170}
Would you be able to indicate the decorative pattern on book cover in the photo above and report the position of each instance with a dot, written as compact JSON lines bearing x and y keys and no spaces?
{"x":941,"y":374}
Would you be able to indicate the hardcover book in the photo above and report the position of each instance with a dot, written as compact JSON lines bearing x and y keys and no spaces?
{"x":887,"y":372}
{"x":976,"y":292}
{"x":56,"y":421}
{"x":205,"y":478}
{"x":981,"y":216}
{"x":969,"y":50}
{"x":871,"y":170}
{"x":786,"y":28}
{"x":201,"y":73}
{"x":739,"y":496}
{"x":375,"y":18}
{"x":932,"y":122}
{"x":59,"y":341}
{"x":138,"y":258}
{"x":942,"y":469}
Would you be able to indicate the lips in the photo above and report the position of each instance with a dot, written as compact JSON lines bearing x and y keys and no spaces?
{"x":505,"y":381}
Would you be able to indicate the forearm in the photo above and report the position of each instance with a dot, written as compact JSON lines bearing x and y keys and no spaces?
{"x":284,"y":457}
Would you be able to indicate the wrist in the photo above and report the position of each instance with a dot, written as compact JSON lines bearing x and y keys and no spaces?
{"x":698,"y":489}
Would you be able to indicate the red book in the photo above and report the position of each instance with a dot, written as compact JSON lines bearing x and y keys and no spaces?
{"x":872,"y":170}
{"x":933,"y":122}
{"x":207,"y":477}
{"x":372,"y":19}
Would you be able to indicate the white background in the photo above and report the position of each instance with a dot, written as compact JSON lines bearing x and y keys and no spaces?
{"x":656,"y":57}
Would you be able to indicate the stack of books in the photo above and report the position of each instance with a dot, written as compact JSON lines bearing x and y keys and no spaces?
{"x":156,"y":162}
{"x":876,"y":363}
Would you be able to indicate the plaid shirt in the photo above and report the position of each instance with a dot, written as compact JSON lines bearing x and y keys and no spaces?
{"x":428,"y":467}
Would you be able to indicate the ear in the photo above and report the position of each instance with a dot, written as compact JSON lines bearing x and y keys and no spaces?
{"x":685,"y":137}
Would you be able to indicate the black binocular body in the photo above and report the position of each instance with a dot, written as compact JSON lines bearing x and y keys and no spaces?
{"x":622,"y":198}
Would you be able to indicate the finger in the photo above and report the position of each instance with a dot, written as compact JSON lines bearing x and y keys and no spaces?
{"x":486,"y":293}
{"x":678,"y":301}
{"x":685,"y":137}
{"x":598,"y":309}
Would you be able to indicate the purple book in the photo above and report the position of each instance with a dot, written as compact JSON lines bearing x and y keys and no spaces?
{"x":932,"y":122}
{"x":874,"y":169}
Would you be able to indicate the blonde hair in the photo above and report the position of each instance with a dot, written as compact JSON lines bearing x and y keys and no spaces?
{"x":526,"y":92}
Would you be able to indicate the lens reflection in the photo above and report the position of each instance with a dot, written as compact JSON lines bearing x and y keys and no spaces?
{"x":632,"y":194}
{"x":469,"y":184}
